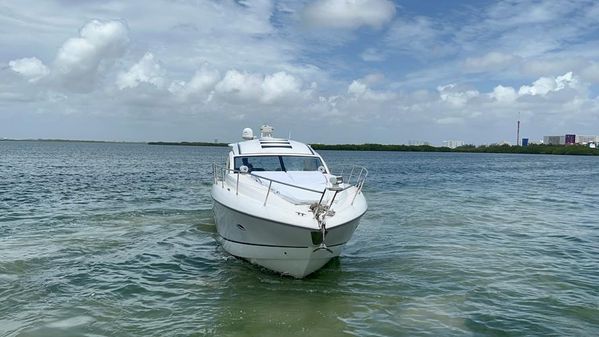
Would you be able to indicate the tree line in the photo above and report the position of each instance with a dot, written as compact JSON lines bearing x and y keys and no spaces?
{"x":530,"y":149}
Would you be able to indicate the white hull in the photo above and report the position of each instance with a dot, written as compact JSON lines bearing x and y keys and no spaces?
{"x":284,"y":248}
{"x":296,"y":262}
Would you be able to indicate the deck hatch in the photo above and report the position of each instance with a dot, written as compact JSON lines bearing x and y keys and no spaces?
{"x":275,"y":144}
{"x":277,"y":147}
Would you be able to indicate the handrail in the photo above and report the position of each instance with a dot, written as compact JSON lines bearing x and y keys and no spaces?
{"x":269,"y":179}
{"x":359,"y":181}
{"x":359,"y":178}
{"x":284,"y":183}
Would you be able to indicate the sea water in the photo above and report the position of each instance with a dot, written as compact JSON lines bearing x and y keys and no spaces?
{"x":102,"y":239}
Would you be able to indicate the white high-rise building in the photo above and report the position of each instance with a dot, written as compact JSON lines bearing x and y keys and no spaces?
{"x":561,"y":140}
{"x":452,"y":144}
{"x":418,"y":142}
{"x":586,"y":139}
{"x":554,"y":140}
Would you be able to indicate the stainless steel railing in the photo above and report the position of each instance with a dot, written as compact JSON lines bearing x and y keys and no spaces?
{"x":356,"y":172}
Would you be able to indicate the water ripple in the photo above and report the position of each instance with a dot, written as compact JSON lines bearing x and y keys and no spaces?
{"x":119,"y":240}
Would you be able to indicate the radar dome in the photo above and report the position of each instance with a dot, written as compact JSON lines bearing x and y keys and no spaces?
{"x":247,"y":134}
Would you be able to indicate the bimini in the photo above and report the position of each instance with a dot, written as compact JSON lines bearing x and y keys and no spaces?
{"x":277,"y":204}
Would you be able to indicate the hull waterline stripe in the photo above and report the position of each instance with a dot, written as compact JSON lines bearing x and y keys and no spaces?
{"x":260,"y":244}
{"x":275,"y":246}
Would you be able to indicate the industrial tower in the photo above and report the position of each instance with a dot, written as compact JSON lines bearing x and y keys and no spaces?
{"x":518,"y":132}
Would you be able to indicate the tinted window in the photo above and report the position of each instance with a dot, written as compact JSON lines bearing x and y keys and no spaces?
{"x":259,"y":163}
{"x":278,"y":163}
{"x":301,"y":163}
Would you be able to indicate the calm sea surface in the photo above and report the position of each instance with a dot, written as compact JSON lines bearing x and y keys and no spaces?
{"x":119,"y":240}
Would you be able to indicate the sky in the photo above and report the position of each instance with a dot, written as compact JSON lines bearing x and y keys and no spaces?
{"x":322,"y":71}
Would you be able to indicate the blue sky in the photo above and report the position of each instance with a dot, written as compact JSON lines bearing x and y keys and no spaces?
{"x":334,"y":71}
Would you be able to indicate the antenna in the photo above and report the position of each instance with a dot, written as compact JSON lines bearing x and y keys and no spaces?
{"x":518,"y":132}
{"x":266,"y":131}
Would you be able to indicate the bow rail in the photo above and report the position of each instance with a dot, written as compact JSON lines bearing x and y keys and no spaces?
{"x":355,"y":172}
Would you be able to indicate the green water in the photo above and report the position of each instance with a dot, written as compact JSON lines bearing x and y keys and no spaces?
{"x":118,"y":240}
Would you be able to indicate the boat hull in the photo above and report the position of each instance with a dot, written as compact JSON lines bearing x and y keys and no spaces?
{"x":281,"y":247}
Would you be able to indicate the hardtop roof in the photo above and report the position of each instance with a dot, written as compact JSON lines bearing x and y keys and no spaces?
{"x":269,"y":145}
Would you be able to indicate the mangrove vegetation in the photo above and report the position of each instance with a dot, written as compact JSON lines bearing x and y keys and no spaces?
{"x":530,"y":149}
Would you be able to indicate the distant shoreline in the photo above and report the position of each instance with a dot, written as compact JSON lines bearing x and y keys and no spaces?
{"x":530,"y":149}
{"x":58,"y":140}
{"x":189,"y":143}
{"x":114,"y":142}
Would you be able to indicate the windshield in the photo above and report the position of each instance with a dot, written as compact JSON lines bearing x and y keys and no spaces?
{"x":278,"y":163}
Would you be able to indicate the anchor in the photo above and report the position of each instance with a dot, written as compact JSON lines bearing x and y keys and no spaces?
{"x":320,"y":213}
{"x":322,"y":246}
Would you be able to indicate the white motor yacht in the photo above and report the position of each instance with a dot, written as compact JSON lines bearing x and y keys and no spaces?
{"x":277,"y":204}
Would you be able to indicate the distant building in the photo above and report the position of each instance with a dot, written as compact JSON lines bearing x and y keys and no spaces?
{"x":586,"y":139}
{"x":418,"y":142}
{"x":452,"y":144}
{"x":524,"y":141}
{"x":570,"y":139}
{"x":554,"y":140}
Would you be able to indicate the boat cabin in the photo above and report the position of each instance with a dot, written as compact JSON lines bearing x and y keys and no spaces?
{"x":273,"y":154}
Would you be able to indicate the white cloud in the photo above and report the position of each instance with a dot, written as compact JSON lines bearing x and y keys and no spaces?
{"x":372,"y":55}
{"x":31,"y":68}
{"x":545,"y":85}
{"x":492,"y":61}
{"x":109,"y":38}
{"x":203,"y":80}
{"x":504,"y":94}
{"x":79,"y":59}
{"x":531,"y":29}
{"x":451,"y":94}
{"x":449,"y":120}
{"x":215,"y":54}
{"x":591,"y":72}
{"x":553,"y":66}
{"x":240,"y":85}
{"x":349,"y":14}
{"x":243,"y":86}
{"x":421,"y":37}
{"x":14,"y":90}
{"x":147,"y":70}
{"x":373,"y":78}
{"x":519,"y":13}
{"x":201,"y":84}
{"x":280,"y":85}
{"x":359,"y":89}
